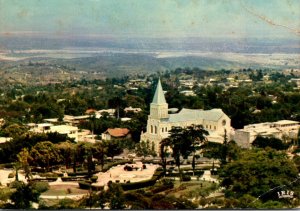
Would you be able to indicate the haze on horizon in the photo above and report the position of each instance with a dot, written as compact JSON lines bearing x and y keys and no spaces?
{"x":156,"y":18}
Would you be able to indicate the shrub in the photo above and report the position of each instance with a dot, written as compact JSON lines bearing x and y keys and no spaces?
{"x":7,"y":165}
{"x":40,"y":186}
{"x":137,"y":185}
{"x":5,"y":194}
{"x":66,"y":204}
{"x":186,"y":178}
{"x":15,"y":184}
{"x":84,"y":185}
{"x":74,"y":178}
{"x":48,"y":174}
{"x":51,"y":179}
{"x":94,"y":178}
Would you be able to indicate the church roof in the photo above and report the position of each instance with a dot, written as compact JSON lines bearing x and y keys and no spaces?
{"x":195,"y":114}
{"x":159,"y":97}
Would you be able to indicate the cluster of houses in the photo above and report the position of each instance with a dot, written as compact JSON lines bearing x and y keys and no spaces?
{"x":70,"y":126}
{"x":160,"y":121}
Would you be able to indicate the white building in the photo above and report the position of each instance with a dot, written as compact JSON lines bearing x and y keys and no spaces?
{"x":280,"y":129}
{"x":70,"y":131}
{"x":159,"y":123}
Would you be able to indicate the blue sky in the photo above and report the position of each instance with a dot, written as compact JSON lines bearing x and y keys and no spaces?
{"x":155,"y":18}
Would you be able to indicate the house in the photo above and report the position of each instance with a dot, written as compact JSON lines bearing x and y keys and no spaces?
{"x":90,"y":111}
{"x":70,"y":131}
{"x":160,"y":122}
{"x":5,"y":139}
{"x":116,"y":133}
{"x":280,"y":129}
{"x":134,"y":110}
{"x":2,"y":121}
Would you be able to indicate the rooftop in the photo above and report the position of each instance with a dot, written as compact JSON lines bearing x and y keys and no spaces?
{"x":117,"y":132}
{"x":195,"y":114}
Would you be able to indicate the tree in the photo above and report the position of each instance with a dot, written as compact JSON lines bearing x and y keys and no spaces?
{"x":84,"y":154}
{"x":113,"y":148}
{"x":99,"y":152}
{"x":24,"y":158}
{"x":45,"y":154}
{"x":116,"y":103}
{"x":115,"y":196}
{"x":197,"y":136}
{"x":257,"y":172}
{"x":66,"y":150}
{"x":144,"y":149}
{"x":224,"y":149}
{"x":176,"y":143}
{"x":275,"y":143}
{"x":23,"y":196}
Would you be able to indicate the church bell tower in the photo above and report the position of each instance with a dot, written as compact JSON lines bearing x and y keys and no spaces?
{"x":159,"y":106}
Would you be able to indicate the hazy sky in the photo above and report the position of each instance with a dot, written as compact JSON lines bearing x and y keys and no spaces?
{"x":176,"y":18}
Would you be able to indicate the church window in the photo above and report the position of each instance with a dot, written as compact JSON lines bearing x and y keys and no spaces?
{"x":215,"y":127}
{"x":155,"y":128}
{"x":162,"y":130}
{"x":206,"y":126}
{"x":224,"y":122}
{"x":151,"y":129}
{"x":209,"y":126}
{"x":166,"y":129}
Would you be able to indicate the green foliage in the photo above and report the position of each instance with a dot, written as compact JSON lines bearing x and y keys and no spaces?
{"x":186,"y":178}
{"x":5,"y":194}
{"x":66,"y":204}
{"x":45,"y":154}
{"x":275,"y":143}
{"x":15,"y":184}
{"x":257,"y":172}
{"x":84,"y":185}
{"x":40,"y":186}
{"x":23,"y":196}
{"x":113,"y":148}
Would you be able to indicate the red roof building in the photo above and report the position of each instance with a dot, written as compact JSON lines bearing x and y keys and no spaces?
{"x":116,"y":133}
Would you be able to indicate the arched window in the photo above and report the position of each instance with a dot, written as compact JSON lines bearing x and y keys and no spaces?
{"x":151,"y":129}
{"x":162,"y":130}
{"x":155,"y":128}
{"x":166,"y":129}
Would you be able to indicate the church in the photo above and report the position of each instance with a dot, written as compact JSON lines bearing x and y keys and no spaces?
{"x":215,"y":121}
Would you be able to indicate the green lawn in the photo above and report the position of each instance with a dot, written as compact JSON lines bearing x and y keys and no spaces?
{"x":191,"y":188}
{"x":63,"y":191}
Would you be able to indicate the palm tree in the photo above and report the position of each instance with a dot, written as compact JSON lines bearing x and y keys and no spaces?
{"x":23,"y":159}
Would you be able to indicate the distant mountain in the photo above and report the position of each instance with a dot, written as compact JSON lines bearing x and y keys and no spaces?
{"x":123,"y":56}
{"x":241,"y":45}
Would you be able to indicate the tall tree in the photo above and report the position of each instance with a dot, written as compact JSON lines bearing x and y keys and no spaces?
{"x":197,"y":136}
{"x":99,"y":152}
{"x":24,"y":158}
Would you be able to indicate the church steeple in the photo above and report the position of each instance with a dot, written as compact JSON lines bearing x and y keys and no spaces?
{"x":159,"y":106}
{"x":159,"y":97}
